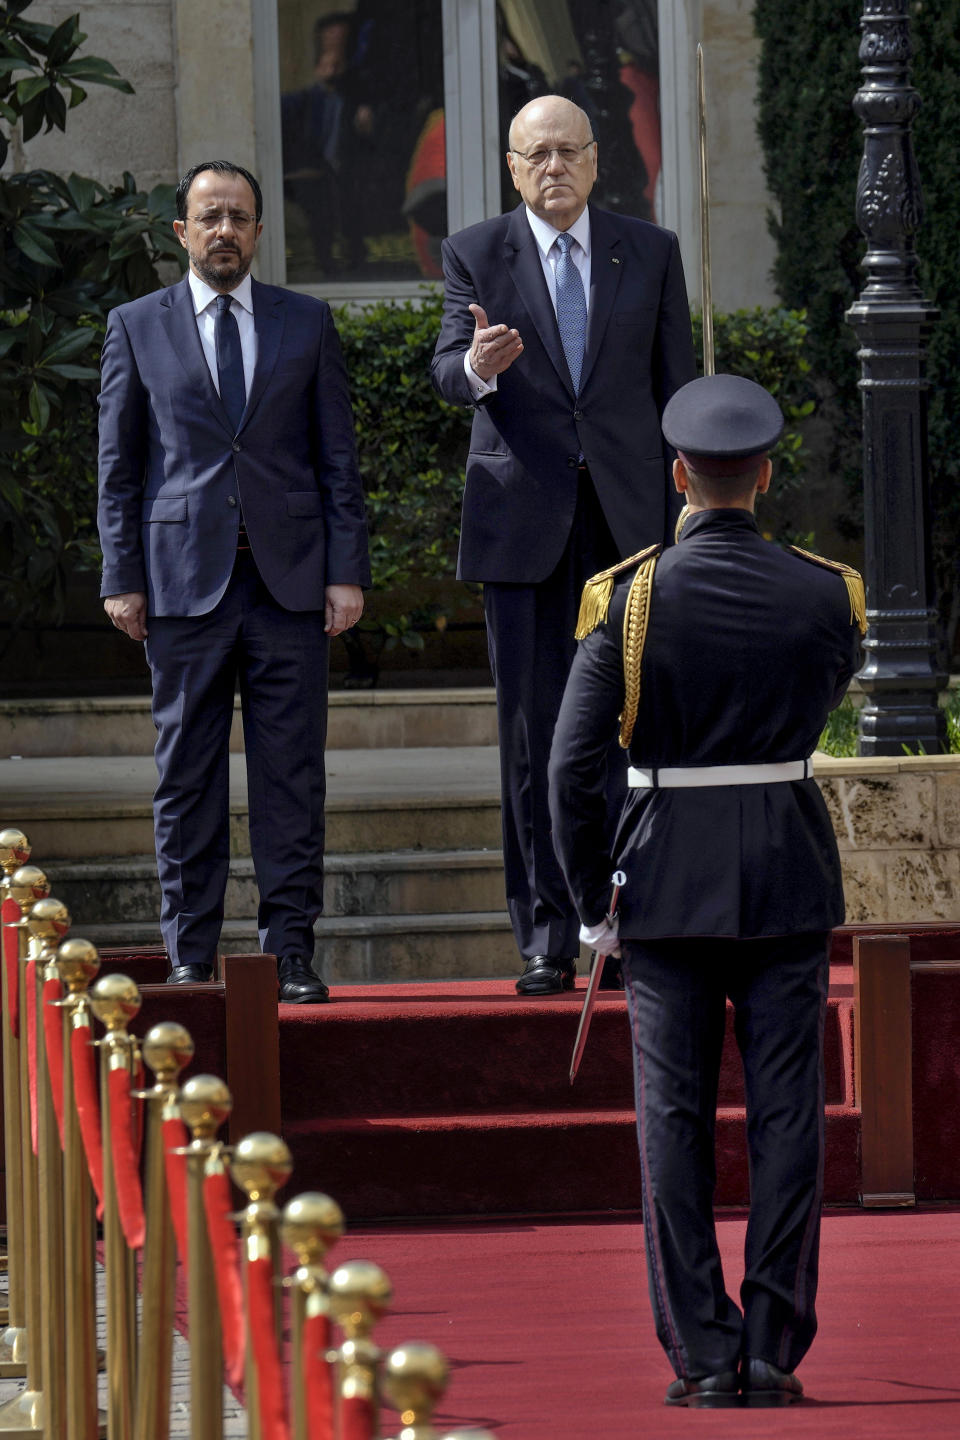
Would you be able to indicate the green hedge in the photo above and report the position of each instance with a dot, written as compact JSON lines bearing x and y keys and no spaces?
{"x":809,"y":71}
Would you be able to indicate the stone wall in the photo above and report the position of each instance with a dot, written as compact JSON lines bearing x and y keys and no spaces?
{"x":897,"y":823}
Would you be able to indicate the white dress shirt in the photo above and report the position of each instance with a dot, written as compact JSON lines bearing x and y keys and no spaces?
{"x":545,"y":235}
{"x":205,"y":308}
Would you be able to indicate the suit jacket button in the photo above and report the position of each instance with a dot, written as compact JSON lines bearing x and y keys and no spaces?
{"x":578,"y":414}
{"x":237,"y":447}
{"x":572,"y":461}
{"x":231,"y":499}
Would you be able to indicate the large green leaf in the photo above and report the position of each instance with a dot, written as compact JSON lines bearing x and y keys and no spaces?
{"x":35,"y":245}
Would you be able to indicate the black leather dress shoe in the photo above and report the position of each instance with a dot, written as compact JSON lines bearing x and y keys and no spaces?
{"x":764,"y":1385}
{"x":190,"y":974}
{"x":709,"y":1392}
{"x":299,"y":985}
{"x":611,"y":977}
{"x":547,"y":975}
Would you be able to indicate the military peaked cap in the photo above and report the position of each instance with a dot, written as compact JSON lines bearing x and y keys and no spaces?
{"x":722,"y":418}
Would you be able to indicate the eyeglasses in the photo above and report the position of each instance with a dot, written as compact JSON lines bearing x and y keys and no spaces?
{"x":539,"y":159}
{"x":212,"y":220}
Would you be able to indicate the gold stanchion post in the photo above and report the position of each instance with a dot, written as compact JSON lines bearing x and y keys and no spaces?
{"x":310,"y":1225}
{"x":205,"y":1103}
{"x":14,"y":851}
{"x":24,"y":1413}
{"x":48,"y":923}
{"x":78,"y":963}
{"x":167,"y":1049}
{"x":260,"y":1165}
{"x":360,"y":1294}
{"x":115,"y":1000}
{"x":415,"y":1377}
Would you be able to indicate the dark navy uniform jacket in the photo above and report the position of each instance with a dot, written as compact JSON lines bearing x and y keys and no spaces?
{"x":748,"y":647}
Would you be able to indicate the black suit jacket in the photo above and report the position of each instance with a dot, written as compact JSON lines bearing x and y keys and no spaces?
{"x":521,"y":482}
{"x":748,"y":648}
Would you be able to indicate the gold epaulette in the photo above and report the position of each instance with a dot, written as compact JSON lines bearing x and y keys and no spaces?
{"x":598,"y":592}
{"x":851,"y":578}
{"x":635,"y":620}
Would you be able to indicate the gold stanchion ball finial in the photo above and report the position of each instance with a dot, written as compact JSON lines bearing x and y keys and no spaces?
{"x":360,"y":1294}
{"x":115,"y":1000}
{"x":261,"y":1164}
{"x":205,"y":1102}
{"x":311,"y":1224}
{"x":79,"y":962}
{"x":415,"y":1377}
{"x":27,"y":885}
{"x":167,"y":1048}
{"x":469,"y":1435}
{"x":48,"y":922}
{"x":14,"y":849}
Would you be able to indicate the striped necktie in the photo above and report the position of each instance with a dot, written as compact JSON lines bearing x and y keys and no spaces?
{"x":571,"y":309}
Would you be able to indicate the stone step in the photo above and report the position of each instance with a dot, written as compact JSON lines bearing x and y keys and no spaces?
{"x":377,"y":800}
{"x":376,"y":949}
{"x":374,"y":719}
{"x":125,"y":890}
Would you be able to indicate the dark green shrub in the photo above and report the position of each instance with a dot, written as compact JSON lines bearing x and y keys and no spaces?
{"x":70,"y":249}
{"x":809,"y":71}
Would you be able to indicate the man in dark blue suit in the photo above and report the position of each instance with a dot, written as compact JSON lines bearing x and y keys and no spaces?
{"x":587,"y":338}
{"x":234,"y":544}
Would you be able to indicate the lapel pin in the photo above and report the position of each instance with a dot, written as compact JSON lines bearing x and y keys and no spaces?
{"x":614,"y":259}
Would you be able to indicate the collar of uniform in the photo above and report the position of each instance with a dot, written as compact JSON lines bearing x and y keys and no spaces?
{"x":204,"y":294}
{"x":545,"y":234}
{"x":729,"y":519}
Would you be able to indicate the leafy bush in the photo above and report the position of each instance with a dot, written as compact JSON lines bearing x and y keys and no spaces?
{"x":809,"y":71}
{"x":71,"y":249}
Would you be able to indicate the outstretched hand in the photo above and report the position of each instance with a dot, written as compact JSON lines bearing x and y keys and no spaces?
{"x":494,"y":347}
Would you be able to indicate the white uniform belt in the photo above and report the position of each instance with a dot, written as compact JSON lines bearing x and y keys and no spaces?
{"x":682,"y":777}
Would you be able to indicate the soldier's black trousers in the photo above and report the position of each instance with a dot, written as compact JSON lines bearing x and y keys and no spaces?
{"x":676,"y":999}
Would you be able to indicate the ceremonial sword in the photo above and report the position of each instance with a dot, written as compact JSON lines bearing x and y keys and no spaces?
{"x":593,"y":984}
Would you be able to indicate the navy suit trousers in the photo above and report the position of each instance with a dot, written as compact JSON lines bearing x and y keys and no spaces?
{"x":676,"y":999}
{"x":530,"y":638}
{"x":280,"y":659}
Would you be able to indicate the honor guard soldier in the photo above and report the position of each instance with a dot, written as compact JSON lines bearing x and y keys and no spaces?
{"x":719,"y":659}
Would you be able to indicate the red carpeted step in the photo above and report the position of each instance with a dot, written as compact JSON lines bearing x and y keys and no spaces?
{"x":430,"y":1049}
{"x":519,"y":1162}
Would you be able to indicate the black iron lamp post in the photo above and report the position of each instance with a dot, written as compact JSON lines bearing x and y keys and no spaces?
{"x":892,"y":321}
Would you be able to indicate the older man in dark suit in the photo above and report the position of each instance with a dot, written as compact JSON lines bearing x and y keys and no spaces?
{"x":232,"y":526}
{"x":568,"y":328}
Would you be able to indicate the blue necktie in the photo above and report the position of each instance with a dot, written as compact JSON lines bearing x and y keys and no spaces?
{"x":571,"y":310}
{"x":226,"y":334}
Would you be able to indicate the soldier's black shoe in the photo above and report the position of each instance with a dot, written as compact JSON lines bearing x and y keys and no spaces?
{"x":190,"y":974}
{"x":299,"y":985}
{"x":709,"y":1392}
{"x":547,"y":975}
{"x":764,"y":1385}
{"x":611,"y":977}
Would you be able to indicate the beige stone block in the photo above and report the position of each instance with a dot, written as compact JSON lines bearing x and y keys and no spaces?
{"x":882,"y":812}
{"x":948,"y":809}
{"x":864,"y":888}
{"x":924,"y":886}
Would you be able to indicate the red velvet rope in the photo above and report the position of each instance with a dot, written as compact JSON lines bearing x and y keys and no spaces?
{"x":175,"y":1138}
{"x":225,"y":1246}
{"x":53,"y":1033}
{"x":10,"y":913}
{"x":357,"y":1419}
{"x":125,"y":1170}
{"x":140,"y":1109}
{"x":31,"y":984}
{"x":317,"y":1377}
{"x":88,"y":1105}
{"x":263,"y":1339}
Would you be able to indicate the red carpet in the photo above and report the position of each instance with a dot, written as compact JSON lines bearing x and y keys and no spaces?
{"x":548,"y":1328}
